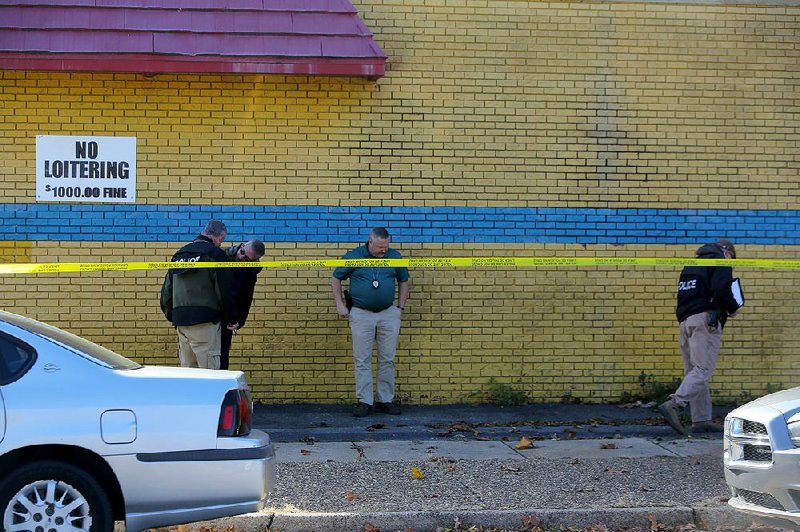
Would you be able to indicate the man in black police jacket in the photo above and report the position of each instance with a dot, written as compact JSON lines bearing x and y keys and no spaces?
{"x":244,"y":285}
{"x":705,"y":301}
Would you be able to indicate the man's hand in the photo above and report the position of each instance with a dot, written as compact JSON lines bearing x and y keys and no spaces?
{"x":233,"y":327}
{"x":338,"y":298}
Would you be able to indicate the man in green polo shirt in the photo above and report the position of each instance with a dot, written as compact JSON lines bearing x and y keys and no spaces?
{"x":373,"y":316}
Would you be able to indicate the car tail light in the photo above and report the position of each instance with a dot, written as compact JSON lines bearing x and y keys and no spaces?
{"x":236,"y":414}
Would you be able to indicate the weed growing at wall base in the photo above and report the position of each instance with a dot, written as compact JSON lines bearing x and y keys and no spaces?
{"x":504,"y":395}
{"x":746,"y":396}
{"x":650,"y":390}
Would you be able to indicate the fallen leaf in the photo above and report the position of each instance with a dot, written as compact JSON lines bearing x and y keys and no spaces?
{"x":359,"y":450}
{"x":574,"y":461}
{"x":417,"y":474}
{"x":350,"y":496}
{"x":462,"y":427}
{"x":376,"y":426}
{"x":614,"y":470}
{"x":609,"y":446}
{"x":524,"y":443}
{"x":510,"y":469}
{"x":451,"y":468}
{"x":369,"y":527}
{"x":530,"y":522}
{"x":646,"y":488}
{"x":305,"y":451}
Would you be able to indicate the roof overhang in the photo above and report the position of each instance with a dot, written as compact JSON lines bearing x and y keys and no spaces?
{"x":302,"y":37}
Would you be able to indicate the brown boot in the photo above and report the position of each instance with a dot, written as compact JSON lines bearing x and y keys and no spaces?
{"x":672,"y":415}
{"x":362,"y":410}
{"x":387,"y":408}
{"x":706,"y":426}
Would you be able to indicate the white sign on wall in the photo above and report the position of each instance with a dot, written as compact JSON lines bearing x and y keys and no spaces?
{"x":98,"y":169}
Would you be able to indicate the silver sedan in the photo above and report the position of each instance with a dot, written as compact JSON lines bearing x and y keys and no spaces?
{"x":88,"y":437}
{"x":762,"y":458}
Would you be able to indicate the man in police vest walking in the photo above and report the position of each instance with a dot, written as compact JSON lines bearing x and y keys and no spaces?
{"x":705,"y":301}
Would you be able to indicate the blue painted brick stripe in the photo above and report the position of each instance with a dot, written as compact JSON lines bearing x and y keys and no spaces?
{"x":305,"y":223}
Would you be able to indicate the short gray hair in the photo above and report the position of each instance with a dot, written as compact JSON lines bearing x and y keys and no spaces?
{"x":258,"y":246}
{"x":215,"y":228}
{"x":380,"y":232}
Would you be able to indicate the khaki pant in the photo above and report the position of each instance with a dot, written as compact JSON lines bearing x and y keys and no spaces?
{"x":199,"y":345}
{"x":700,"y":346}
{"x":367,"y":327}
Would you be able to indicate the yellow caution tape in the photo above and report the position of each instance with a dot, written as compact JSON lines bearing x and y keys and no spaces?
{"x":433,"y":262}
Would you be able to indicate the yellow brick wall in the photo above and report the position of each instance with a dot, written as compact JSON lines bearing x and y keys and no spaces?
{"x":585,"y":333}
{"x":496,"y":104}
{"x":503,"y":104}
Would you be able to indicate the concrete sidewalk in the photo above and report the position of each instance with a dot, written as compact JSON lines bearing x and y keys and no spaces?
{"x":547,"y":466}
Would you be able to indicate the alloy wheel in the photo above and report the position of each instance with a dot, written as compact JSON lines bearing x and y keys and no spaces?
{"x":47,"y":506}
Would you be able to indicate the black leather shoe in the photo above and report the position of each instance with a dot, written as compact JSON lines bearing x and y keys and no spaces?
{"x":362,"y":409}
{"x":387,"y":408}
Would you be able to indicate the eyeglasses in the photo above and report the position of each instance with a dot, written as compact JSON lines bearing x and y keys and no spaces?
{"x":242,"y":253}
{"x":729,"y":250}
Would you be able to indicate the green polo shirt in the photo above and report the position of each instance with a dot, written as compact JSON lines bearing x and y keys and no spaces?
{"x":362,"y":280}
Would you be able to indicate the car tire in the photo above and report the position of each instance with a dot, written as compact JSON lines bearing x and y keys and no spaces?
{"x":58,"y":495}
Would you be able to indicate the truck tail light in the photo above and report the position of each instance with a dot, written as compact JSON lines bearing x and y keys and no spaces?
{"x":236,"y":414}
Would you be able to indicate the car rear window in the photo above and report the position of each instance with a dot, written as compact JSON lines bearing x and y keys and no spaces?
{"x":74,"y":342}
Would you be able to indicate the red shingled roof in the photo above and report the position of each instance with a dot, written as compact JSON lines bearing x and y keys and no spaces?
{"x":314,"y":37}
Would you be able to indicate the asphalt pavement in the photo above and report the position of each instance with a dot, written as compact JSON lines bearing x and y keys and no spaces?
{"x":538,"y":467}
